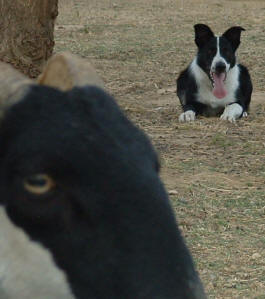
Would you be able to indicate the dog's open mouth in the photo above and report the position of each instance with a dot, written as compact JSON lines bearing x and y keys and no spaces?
{"x":218,"y":82}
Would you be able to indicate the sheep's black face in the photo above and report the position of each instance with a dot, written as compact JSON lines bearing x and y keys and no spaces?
{"x":83,"y":181}
{"x":66,"y":145}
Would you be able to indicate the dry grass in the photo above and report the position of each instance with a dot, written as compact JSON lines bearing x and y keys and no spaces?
{"x":214,"y":171}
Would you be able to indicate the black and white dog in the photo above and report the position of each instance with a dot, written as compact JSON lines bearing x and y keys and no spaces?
{"x":214,"y":84}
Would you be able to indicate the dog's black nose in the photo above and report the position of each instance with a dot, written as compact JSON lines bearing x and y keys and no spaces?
{"x":219,"y":68}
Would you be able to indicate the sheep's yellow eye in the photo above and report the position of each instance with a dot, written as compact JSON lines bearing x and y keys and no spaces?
{"x":39,"y":184}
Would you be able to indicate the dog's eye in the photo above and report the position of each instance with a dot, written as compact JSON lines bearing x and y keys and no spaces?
{"x":39,"y":184}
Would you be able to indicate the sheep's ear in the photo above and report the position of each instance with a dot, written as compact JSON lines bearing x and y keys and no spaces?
{"x":13,"y":85}
{"x":65,"y":70}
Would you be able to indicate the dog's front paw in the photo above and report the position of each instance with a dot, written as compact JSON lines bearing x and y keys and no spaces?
{"x":245,"y":114}
{"x":232,"y":112}
{"x":187,"y":116}
{"x":226,"y":116}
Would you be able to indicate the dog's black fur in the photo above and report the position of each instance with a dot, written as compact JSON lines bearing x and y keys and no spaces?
{"x":215,"y":58}
{"x":108,"y":221}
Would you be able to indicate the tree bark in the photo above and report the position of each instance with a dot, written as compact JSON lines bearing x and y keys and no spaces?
{"x":26,"y":33}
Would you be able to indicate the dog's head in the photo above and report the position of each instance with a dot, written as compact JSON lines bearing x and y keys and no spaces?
{"x":216,"y":54}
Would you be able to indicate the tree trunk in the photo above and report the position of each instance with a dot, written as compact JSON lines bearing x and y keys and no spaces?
{"x":26,"y":33}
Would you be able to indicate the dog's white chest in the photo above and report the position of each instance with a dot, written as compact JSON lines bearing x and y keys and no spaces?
{"x":205,"y":94}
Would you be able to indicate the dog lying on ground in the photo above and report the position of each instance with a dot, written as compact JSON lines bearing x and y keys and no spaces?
{"x":214,"y":84}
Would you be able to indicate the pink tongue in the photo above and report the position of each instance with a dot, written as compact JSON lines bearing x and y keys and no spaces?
{"x":219,"y":87}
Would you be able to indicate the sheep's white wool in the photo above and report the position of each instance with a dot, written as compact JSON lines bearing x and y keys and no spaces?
{"x":27,"y":269}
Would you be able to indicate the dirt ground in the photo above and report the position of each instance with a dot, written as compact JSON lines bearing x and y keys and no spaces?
{"x":214,"y":171}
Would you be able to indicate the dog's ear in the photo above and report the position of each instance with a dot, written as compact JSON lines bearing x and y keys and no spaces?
{"x":233,"y":36}
{"x":203,"y":34}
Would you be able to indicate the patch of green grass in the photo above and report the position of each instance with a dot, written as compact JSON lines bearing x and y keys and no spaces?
{"x":221,"y":140}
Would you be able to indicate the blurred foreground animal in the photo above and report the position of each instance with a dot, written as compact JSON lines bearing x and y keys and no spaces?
{"x":83,"y":213}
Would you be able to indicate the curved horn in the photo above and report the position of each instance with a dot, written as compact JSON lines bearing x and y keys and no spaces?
{"x":65,"y":70}
{"x":13,"y":86}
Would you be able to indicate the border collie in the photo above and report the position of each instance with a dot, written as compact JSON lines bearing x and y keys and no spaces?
{"x":214,"y":84}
